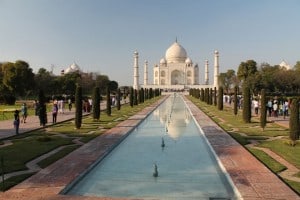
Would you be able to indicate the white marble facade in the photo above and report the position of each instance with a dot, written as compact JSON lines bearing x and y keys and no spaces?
{"x":175,"y":71}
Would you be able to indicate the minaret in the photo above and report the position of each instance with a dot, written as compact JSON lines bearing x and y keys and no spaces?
{"x":146,"y":73}
{"x":136,"y":71}
{"x":206,"y":73}
{"x":216,"y":70}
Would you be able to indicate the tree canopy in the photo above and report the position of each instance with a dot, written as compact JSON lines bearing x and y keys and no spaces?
{"x":18,"y":80}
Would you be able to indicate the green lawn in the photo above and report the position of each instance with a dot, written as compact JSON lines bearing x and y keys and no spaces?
{"x":10,"y":115}
{"x":282,"y":148}
{"x":24,"y":150}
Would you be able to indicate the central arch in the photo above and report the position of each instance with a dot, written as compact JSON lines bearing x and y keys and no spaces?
{"x":177,"y":78}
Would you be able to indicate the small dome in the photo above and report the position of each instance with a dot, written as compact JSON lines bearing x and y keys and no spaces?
{"x":188,"y":61}
{"x":285,"y":65}
{"x":176,"y":53}
{"x":72,"y":68}
{"x":163,"y":61}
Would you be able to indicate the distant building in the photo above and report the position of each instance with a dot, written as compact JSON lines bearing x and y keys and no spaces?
{"x":72,"y":68}
{"x":285,"y":65}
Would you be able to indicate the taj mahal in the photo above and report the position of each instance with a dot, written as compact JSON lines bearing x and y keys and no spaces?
{"x":176,"y":71}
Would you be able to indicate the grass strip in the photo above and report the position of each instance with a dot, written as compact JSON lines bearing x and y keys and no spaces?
{"x":294,"y":185}
{"x":10,"y":182}
{"x":53,"y":158}
{"x":272,"y":164}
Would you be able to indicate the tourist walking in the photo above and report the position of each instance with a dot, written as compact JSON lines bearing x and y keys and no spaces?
{"x":256,"y":106}
{"x":70,"y":104}
{"x":61,"y":106}
{"x":24,"y":112}
{"x":270,"y":107}
{"x":36,"y":107}
{"x":54,"y":113}
{"x":16,"y":121}
{"x":275,"y":109}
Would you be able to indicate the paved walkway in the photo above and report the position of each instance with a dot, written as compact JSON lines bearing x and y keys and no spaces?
{"x":32,"y":122}
{"x":251,"y":178}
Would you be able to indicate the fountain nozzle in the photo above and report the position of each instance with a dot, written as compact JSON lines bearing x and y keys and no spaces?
{"x":162,"y":143}
{"x":155,"y":173}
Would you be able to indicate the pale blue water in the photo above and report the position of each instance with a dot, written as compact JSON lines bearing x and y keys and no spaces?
{"x":187,"y":168}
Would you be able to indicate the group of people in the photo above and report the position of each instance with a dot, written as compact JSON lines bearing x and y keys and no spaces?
{"x":58,"y":107}
{"x":278,"y":108}
{"x":275,"y":108}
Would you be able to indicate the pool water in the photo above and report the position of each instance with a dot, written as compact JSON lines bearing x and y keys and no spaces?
{"x":186,"y":167}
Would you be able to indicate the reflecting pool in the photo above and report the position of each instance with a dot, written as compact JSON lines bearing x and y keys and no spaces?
{"x":168,"y":144}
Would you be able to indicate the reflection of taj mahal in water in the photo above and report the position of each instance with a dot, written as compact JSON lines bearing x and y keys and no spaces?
{"x":176,"y":71}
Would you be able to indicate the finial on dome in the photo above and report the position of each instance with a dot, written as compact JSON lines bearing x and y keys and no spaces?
{"x":176,"y":39}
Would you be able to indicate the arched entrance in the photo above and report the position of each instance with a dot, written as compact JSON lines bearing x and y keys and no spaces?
{"x":177,"y":78}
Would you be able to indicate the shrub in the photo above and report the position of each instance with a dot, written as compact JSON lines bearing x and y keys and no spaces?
{"x":96,"y":102}
{"x":294,"y":121}
{"x":263,"y":109}
{"x":42,"y":110}
{"x":119,"y":99}
{"x":108,"y":101}
{"x":220,"y":98}
{"x":131,"y":97}
{"x":235,"y":105}
{"x":246,"y":105}
{"x":78,"y":105}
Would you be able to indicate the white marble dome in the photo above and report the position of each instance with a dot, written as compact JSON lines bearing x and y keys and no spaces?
{"x":188,"y":61}
{"x":163,"y":61}
{"x":72,"y":68}
{"x":176,"y":53}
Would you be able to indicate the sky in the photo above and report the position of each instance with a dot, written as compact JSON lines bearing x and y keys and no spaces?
{"x":101,"y":35}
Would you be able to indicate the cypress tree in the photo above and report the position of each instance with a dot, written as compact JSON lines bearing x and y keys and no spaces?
{"x":42,"y":109}
{"x":197,"y":93}
{"x":145,"y":94}
{"x":142,"y":96}
{"x":135,"y":97}
{"x":235,"y":99}
{"x":108,"y":101}
{"x":294,"y":121}
{"x":96,"y":102}
{"x":220,"y":98}
{"x":207,"y":95}
{"x":150,"y":93}
{"x":215,"y":96}
{"x":246,"y":105}
{"x":263,"y":109}
{"x":119,"y":99}
{"x":210,"y":96}
{"x":202,"y":96}
{"x":78,"y":105}
{"x":131,"y":97}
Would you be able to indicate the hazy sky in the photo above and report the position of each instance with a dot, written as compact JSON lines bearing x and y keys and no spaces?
{"x":101,"y":35}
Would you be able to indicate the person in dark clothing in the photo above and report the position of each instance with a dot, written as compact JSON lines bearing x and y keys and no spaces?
{"x":16,"y":121}
{"x":54,"y":113}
